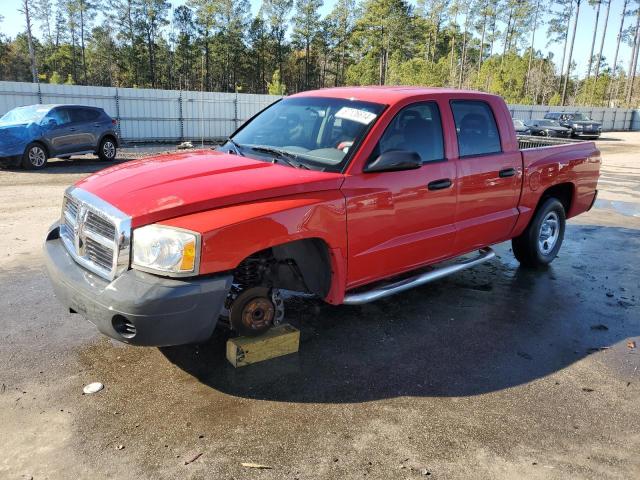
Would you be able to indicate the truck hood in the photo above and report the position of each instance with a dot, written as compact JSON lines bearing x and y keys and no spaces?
{"x":168,"y":186}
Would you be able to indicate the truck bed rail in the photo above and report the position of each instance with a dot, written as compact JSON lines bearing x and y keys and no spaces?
{"x":530,"y":141}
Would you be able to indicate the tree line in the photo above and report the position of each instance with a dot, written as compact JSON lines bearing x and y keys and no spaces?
{"x":288,"y":46}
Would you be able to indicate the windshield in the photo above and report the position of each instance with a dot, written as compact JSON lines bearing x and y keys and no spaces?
{"x":580,"y":117}
{"x":518,"y":123}
{"x":33,"y":113}
{"x":316,"y":132}
{"x":548,"y":123}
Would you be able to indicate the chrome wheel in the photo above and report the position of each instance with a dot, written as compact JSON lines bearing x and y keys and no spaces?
{"x":549,"y":233}
{"x":37,"y":157}
{"x":109,"y":149}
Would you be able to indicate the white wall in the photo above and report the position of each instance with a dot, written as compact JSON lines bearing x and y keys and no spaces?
{"x":170,"y":115}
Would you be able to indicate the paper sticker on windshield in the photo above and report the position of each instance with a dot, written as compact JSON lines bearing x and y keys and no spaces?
{"x":355,"y":115}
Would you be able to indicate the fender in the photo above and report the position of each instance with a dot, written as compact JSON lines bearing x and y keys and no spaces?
{"x":231,"y":234}
{"x":110,"y":133}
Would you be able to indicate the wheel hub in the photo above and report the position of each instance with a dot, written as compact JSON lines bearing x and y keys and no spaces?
{"x":258,"y":314}
{"x":549,"y":233}
{"x":255,"y":310}
{"x":37,"y":157}
{"x":109,"y":149}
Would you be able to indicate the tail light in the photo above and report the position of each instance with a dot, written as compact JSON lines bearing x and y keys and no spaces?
{"x":114,"y":122}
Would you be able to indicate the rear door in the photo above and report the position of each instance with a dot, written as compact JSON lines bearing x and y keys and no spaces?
{"x":83,"y":129}
{"x":401,"y":220}
{"x":488,"y":177}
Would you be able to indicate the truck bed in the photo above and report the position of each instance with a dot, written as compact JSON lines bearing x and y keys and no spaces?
{"x":554,"y":161}
{"x":530,"y":141}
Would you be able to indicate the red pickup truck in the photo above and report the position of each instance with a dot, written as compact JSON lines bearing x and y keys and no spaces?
{"x":344,"y":193}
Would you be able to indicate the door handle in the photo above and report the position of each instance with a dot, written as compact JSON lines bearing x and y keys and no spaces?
{"x":507,"y":172}
{"x":72,"y":129}
{"x":439,"y":184}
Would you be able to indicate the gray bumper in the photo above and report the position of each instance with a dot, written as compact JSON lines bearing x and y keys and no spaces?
{"x":158,"y":311}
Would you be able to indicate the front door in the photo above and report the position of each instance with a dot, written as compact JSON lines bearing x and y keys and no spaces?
{"x":398,"y":221}
{"x":488,"y":178}
{"x":61,"y":134}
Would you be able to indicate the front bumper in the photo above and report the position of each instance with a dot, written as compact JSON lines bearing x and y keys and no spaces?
{"x":137,"y":307}
{"x":587,"y":133}
{"x":10,"y":161}
{"x":11,"y":155}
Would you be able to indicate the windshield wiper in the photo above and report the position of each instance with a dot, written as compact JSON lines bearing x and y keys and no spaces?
{"x":236,"y":147}
{"x":288,"y":158}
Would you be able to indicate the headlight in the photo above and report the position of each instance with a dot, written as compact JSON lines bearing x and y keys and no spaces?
{"x":166,"y":250}
{"x":579,"y":127}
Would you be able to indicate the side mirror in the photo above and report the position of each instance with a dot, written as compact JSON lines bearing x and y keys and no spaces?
{"x":51,"y":123}
{"x":393,"y":161}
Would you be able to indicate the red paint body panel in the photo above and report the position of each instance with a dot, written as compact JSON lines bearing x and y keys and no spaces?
{"x":576,"y":164}
{"x":154,"y":189}
{"x":231,"y":234}
{"x":375,"y":225}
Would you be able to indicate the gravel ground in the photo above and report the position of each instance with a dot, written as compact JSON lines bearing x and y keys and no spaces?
{"x":496,"y":372}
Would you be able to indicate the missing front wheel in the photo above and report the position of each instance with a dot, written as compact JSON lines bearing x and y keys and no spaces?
{"x":255,"y":310}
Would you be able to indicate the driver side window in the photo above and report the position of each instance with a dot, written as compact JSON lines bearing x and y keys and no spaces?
{"x":416,"y":128}
{"x":59,"y":115}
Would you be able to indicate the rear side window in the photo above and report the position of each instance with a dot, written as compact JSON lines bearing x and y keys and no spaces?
{"x":476,"y":128}
{"x":416,"y":128}
{"x":79,"y":115}
{"x":91,"y":115}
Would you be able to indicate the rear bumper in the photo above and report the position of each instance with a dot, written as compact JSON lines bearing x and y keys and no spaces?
{"x":162,"y":311}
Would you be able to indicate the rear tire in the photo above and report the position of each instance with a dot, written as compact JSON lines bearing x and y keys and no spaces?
{"x":107,"y":150}
{"x":35,"y":157}
{"x":539,"y":244}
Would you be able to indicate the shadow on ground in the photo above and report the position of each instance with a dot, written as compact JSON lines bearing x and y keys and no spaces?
{"x":487,"y":329}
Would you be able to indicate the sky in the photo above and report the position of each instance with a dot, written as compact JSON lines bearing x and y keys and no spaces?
{"x":14,"y":23}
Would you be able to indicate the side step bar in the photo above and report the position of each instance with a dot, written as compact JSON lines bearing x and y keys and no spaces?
{"x":402,"y":285}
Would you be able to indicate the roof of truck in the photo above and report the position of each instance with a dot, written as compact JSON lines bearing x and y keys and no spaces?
{"x":383,"y":93}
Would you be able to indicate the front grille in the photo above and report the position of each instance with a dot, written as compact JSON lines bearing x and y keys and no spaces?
{"x":99,"y":254}
{"x":95,"y":233}
{"x":99,"y":225}
{"x":71,"y":206}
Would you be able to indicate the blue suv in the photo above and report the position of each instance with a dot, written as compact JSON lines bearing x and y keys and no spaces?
{"x":30,"y":135}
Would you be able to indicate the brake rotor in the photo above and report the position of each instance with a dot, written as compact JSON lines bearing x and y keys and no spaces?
{"x":255,"y":310}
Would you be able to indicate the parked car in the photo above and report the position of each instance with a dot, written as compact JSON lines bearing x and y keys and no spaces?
{"x":548,"y":128}
{"x":521,"y":128}
{"x":30,"y":135}
{"x":327,"y":192}
{"x":579,"y":123}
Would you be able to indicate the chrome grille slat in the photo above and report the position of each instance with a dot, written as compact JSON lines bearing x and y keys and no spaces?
{"x":71,"y":207}
{"x":104,"y":241}
{"x":99,"y":225}
{"x":99,"y":254}
{"x":96,"y":234}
